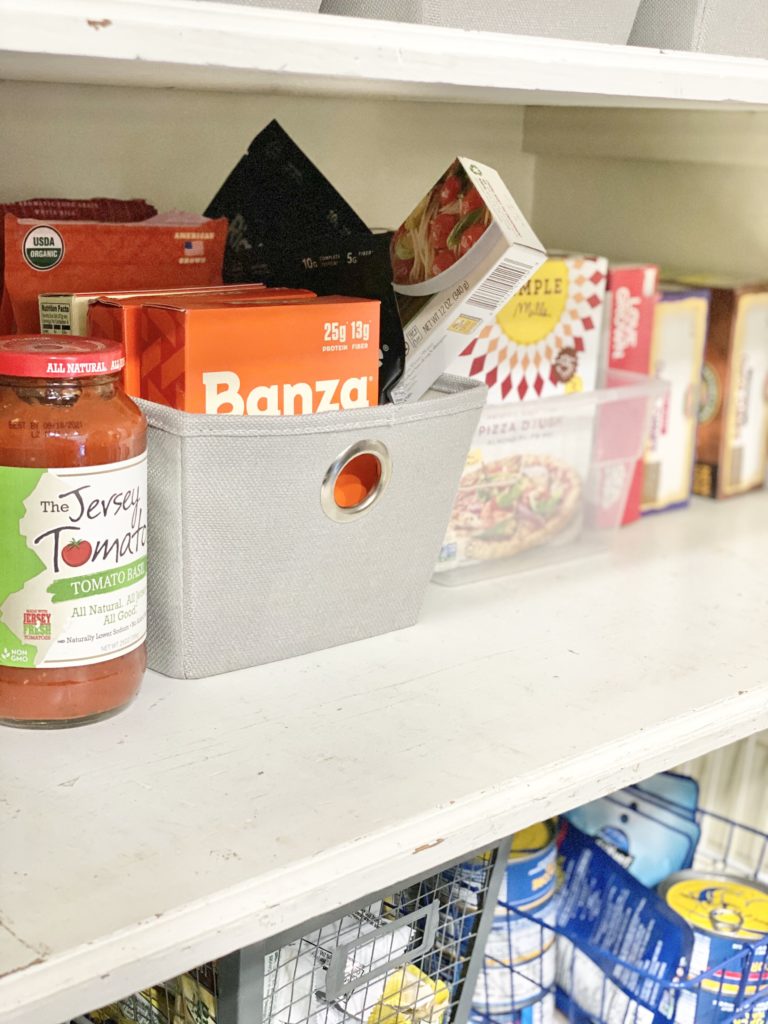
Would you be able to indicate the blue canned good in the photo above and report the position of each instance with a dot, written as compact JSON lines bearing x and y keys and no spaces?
{"x":540,"y":1011}
{"x":526,"y":1004}
{"x":531,"y":871}
{"x":524,"y":934}
{"x":729,"y":920}
{"x":530,"y":877}
{"x":457,"y":926}
{"x":468,"y":880}
{"x":463,"y":889}
{"x":519,"y":961}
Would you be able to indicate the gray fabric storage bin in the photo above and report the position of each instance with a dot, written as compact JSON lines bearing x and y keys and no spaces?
{"x":283,"y":5}
{"x":245,"y":565}
{"x":738,"y":28}
{"x":599,"y":21}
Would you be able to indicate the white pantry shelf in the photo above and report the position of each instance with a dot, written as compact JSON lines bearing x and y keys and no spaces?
{"x":194,"y":44}
{"x":214,"y":813}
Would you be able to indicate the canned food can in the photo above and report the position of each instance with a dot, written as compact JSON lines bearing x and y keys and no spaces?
{"x":729,"y":920}
{"x":519,"y":962}
{"x":456,"y":927}
{"x":531,"y":869}
{"x":468,"y":880}
{"x":462,"y":889}
{"x":511,"y":933}
{"x":500,"y":989}
{"x":516,"y":938}
{"x":540,"y":1011}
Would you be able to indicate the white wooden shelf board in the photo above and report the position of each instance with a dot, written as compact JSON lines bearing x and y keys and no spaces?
{"x":214,"y":813}
{"x":189,"y":43}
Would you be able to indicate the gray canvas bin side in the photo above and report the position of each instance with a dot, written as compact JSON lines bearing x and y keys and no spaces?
{"x":738,"y":28}
{"x":244,"y":565}
{"x":165,"y":489}
{"x":599,"y":21}
{"x":312,"y":6}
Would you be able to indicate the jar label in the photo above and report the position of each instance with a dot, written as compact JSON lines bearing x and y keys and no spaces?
{"x":73,"y":563}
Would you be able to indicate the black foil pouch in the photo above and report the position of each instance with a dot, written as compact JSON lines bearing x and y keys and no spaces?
{"x":288,"y":226}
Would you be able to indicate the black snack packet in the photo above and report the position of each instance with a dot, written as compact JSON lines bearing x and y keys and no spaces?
{"x":357,"y":265}
{"x":288,"y":226}
{"x":275,"y":193}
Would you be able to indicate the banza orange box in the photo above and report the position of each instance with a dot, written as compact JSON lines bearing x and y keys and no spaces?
{"x":117,"y":317}
{"x":286,"y":358}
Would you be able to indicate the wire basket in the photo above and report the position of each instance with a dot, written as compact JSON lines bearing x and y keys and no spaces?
{"x":409,"y":957}
{"x":592,"y":984}
{"x":365,"y":967}
{"x":191,"y":998}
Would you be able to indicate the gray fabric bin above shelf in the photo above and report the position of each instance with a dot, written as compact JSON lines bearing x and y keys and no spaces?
{"x":599,"y":21}
{"x":737,"y":28}
{"x":245,"y":565}
{"x":312,"y":6}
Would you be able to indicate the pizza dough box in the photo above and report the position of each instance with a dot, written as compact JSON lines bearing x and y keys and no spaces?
{"x":523,"y":485}
{"x":522,"y":488}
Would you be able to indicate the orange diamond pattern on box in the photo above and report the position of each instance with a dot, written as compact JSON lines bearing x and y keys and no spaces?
{"x":162,"y":371}
{"x":117,"y":316}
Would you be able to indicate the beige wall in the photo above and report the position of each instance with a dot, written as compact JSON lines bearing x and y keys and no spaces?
{"x":685,"y":216}
{"x":175,"y":148}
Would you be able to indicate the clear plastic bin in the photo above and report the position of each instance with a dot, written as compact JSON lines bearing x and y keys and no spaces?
{"x":547,"y":481}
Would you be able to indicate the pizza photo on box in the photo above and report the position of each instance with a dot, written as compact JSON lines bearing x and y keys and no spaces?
{"x":513,"y":504}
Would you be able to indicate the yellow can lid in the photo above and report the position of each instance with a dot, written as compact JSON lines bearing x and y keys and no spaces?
{"x":723,"y":906}
{"x":533,"y":839}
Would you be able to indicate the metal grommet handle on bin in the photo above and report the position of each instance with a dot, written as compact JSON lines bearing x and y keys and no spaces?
{"x":355,"y":480}
{"x":337,"y":981}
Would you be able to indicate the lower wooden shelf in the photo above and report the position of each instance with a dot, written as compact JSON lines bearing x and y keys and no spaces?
{"x":216,"y":812}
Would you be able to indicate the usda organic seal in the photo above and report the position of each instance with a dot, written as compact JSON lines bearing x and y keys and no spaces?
{"x":43,"y":247}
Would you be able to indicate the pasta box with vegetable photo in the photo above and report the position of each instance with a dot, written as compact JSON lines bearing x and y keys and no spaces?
{"x":457,"y":259}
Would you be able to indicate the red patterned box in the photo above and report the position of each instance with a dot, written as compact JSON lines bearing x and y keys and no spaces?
{"x":631,"y":303}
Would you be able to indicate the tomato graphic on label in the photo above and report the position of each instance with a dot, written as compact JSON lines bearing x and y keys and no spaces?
{"x":470,"y":236}
{"x":471,"y":200}
{"x":450,"y":190}
{"x":442,"y":260}
{"x":441,"y":228}
{"x":77,"y":553}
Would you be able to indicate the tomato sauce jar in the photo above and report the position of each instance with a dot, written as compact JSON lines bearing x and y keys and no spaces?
{"x":73,"y":532}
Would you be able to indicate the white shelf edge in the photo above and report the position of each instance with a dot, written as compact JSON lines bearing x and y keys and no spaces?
{"x":329,"y":777}
{"x":93,"y":975}
{"x":189,"y":43}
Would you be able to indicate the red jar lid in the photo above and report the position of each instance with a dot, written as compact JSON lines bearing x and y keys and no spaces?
{"x":55,"y":356}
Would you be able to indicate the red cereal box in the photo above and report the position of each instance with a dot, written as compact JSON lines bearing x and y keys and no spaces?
{"x":631,"y":304}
